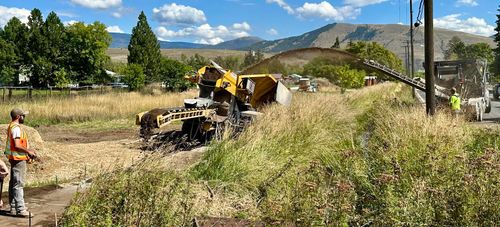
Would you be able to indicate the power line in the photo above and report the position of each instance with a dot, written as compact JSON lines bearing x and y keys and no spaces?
{"x":399,"y":8}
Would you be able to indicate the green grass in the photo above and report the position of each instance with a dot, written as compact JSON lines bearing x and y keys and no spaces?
{"x":368,"y":157}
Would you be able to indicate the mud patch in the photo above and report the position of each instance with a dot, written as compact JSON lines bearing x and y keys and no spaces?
{"x":68,"y":135}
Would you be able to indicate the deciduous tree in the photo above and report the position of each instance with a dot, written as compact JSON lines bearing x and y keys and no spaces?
{"x":252,"y":57}
{"x":196,"y":61}
{"x":229,"y":62}
{"x":341,"y":75}
{"x":15,"y":33}
{"x":55,"y":51}
{"x":173,"y":72}
{"x":37,"y":44}
{"x":87,"y":52}
{"x":375,"y":51}
{"x":134,"y":76}
{"x":454,"y":48}
{"x":8,"y":58}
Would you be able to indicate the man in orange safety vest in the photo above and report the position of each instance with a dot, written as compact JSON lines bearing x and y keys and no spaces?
{"x":17,"y":150}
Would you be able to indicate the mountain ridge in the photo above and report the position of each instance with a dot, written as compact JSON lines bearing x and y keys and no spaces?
{"x":121,"y":40}
{"x":391,"y":36}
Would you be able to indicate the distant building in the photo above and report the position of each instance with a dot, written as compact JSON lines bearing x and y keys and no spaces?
{"x":117,"y":78}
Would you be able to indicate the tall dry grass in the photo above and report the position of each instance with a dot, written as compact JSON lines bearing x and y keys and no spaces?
{"x":103,"y":107}
{"x":368,"y":157}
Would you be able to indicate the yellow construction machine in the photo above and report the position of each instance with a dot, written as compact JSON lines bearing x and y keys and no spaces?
{"x":225,"y":100}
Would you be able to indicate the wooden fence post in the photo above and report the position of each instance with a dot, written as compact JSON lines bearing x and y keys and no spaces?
{"x":10,"y":94}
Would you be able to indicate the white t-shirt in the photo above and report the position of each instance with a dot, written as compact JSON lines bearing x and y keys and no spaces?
{"x":15,"y":132}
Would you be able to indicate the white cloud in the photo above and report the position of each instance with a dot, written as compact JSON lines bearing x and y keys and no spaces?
{"x":67,"y":23}
{"x":472,"y":25}
{"x":243,"y":26}
{"x":115,"y":29}
{"x":170,"y":14}
{"x":204,"y":33}
{"x":361,"y":3}
{"x":272,"y":32}
{"x":283,"y":5}
{"x":467,"y":2}
{"x":326,"y":11}
{"x":8,"y":13}
{"x":212,"y":41}
{"x":66,"y":14}
{"x":98,"y":4}
{"x":120,"y":11}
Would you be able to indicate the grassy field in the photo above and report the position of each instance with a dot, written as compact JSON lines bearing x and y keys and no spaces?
{"x":120,"y":54}
{"x":368,"y":157}
{"x":112,"y":106}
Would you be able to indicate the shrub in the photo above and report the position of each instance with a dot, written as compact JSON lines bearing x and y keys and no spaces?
{"x":134,"y":76}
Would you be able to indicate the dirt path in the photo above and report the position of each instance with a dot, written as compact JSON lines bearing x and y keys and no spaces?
{"x":45,"y":203}
{"x":72,"y":155}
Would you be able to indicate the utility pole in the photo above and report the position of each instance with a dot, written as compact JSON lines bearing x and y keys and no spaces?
{"x":406,"y":45}
{"x":409,"y":64}
{"x":430,"y":93}
{"x":411,"y":41}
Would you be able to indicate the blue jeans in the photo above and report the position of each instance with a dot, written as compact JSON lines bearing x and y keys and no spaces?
{"x":16,"y":184}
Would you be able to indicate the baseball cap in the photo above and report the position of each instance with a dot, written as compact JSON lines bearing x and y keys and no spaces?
{"x":18,"y":112}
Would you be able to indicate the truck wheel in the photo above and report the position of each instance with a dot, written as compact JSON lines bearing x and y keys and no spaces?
{"x":488,"y":108}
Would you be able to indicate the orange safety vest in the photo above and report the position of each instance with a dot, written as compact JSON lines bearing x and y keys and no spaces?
{"x":10,"y":148}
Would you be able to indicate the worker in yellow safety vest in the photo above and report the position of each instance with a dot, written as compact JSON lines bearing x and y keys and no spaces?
{"x":455,"y":102}
{"x":17,"y":150}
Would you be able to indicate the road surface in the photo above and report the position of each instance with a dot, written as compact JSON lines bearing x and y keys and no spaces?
{"x":494,"y":115}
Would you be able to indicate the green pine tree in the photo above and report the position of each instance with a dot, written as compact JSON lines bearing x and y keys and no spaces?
{"x":337,"y":43}
{"x":144,"y":49}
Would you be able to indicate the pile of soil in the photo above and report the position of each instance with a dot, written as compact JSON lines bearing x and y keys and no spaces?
{"x":36,"y":143}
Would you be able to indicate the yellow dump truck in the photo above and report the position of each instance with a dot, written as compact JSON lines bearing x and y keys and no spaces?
{"x":225,"y":99}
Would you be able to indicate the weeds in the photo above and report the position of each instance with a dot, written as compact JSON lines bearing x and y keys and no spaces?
{"x":367,"y":157}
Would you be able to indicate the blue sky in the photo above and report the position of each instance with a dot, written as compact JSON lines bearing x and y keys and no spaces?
{"x":214,"y":21}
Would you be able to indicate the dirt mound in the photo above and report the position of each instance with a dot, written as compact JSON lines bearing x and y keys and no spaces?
{"x":300,"y":57}
{"x":322,"y":82}
{"x":36,"y":143}
{"x":34,"y":137}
